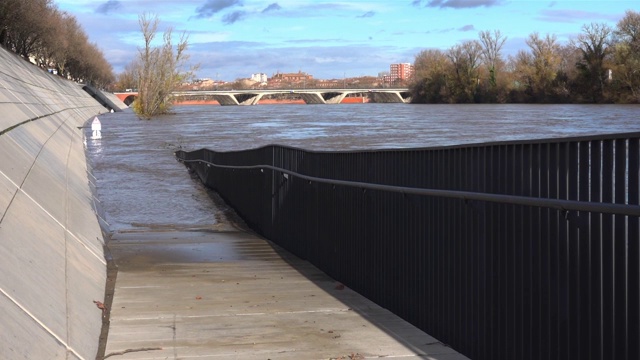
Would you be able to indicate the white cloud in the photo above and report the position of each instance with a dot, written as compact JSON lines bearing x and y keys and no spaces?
{"x":321,"y":60}
{"x":207,"y":37}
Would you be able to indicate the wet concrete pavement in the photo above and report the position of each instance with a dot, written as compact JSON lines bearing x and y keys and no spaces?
{"x":207,"y":294}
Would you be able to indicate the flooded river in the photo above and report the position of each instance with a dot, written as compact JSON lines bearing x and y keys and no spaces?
{"x":141,"y":186}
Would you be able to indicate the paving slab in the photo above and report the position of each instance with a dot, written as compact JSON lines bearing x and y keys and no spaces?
{"x":207,"y":294}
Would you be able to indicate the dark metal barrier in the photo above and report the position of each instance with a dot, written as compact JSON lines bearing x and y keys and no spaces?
{"x":512,"y":250}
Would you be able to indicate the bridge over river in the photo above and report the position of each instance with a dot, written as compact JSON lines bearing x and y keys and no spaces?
{"x":310,"y":96}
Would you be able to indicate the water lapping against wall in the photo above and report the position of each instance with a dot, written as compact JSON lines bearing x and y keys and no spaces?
{"x":142,"y":186}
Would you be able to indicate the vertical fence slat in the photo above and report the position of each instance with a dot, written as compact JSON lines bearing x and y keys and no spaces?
{"x":634,"y":252}
{"x":555,"y":245}
{"x":513,"y":241}
{"x":584,"y":248}
{"x":620,"y":251}
{"x":481,"y":307}
{"x":562,"y":248}
{"x":596,"y":287}
{"x":608,"y":262}
{"x":536,"y":339}
{"x":574,"y":301}
{"x":525,"y":322}
{"x":500,"y":247}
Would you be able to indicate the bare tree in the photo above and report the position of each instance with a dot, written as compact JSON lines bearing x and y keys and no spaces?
{"x":628,"y":29}
{"x":465,"y":59}
{"x":429,"y":62}
{"x":128,"y":79}
{"x":545,"y":62}
{"x":159,"y":69}
{"x":568,"y":72}
{"x":627,"y":57}
{"x":96,"y":70}
{"x":39,"y":32}
{"x":522,"y":65}
{"x":54,"y":41}
{"x":492,"y":44}
{"x":23,"y":25}
{"x":68,"y":52}
{"x":593,"y":43}
{"x":10,"y":14}
{"x":431,"y":70}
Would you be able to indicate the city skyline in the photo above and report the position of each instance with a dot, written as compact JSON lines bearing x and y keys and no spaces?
{"x":233,"y":39}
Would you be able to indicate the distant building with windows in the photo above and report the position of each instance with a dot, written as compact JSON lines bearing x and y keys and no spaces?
{"x":385,"y":77}
{"x":401,"y":71}
{"x":291,"y":77}
{"x":260,"y":77}
{"x":333,"y":83}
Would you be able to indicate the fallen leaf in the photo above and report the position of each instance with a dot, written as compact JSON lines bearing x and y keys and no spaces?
{"x":100,"y":305}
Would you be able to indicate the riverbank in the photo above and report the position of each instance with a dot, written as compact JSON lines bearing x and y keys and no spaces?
{"x":52,"y":263}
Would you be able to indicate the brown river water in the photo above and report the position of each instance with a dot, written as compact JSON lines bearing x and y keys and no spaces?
{"x":141,"y":186}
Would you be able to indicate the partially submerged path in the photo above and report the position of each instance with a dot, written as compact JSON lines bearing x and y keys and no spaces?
{"x":232,"y":295}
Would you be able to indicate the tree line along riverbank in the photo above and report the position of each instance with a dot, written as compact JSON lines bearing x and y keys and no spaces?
{"x":599,"y":65}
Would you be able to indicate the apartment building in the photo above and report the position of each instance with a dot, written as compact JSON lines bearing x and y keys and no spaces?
{"x":259,"y":77}
{"x":401,"y":71}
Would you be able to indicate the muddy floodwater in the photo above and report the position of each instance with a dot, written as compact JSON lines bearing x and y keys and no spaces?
{"x":141,"y":186}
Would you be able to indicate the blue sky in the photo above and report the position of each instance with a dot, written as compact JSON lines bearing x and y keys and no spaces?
{"x":329,"y":39}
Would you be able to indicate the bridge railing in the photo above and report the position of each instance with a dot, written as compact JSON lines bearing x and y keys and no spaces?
{"x":511,"y":250}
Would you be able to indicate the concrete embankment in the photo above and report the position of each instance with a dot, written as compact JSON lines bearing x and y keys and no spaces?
{"x":52,"y":264}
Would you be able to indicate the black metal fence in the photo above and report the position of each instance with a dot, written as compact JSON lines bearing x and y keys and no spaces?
{"x":513,"y":250}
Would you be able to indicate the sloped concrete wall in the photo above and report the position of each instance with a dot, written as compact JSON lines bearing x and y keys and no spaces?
{"x":52,"y":264}
{"x":108,"y":100}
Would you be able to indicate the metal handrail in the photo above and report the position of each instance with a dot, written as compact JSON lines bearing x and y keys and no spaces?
{"x":559,"y":204}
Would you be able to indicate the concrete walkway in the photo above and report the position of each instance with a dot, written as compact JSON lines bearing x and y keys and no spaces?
{"x":207,"y":294}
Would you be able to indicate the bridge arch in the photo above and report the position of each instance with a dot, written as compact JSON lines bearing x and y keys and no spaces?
{"x":127,"y":97}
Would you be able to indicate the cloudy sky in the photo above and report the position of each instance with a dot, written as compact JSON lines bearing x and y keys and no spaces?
{"x":329,"y":39}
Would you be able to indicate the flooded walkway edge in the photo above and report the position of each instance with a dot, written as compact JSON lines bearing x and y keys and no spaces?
{"x":232,"y":294}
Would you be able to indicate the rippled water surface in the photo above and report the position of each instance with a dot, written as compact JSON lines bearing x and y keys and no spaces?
{"x":141,"y":185}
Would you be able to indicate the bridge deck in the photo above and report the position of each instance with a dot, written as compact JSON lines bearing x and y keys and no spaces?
{"x":230,"y":294}
{"x":310,"y":96}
